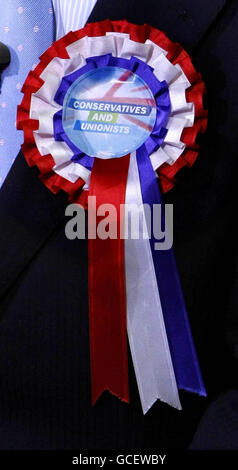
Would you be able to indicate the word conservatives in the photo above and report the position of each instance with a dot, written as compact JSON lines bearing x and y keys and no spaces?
{"x":109,"y":107}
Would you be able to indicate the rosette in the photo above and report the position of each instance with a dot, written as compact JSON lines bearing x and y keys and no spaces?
{"x":112,"y":111}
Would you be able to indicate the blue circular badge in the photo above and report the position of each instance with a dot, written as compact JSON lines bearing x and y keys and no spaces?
{"x":108,"y":112}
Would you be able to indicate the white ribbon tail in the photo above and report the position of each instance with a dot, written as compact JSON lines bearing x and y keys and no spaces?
{"x":145,"y":324}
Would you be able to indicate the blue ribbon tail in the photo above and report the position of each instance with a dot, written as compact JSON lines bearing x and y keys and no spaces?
{"x":182,"y":349}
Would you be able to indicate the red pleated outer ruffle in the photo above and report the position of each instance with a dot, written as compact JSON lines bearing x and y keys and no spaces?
{"x":176,"y":54}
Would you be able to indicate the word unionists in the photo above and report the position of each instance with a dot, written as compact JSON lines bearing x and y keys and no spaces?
{"x":110,"y":107}
{"x":99,"y":127}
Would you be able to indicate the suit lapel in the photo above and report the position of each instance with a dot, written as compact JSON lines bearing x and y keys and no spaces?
{"x":182,"y":20}
{"x":29,"y":213}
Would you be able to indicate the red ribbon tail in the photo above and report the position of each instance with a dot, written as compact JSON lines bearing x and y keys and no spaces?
{"x":107,"y":290}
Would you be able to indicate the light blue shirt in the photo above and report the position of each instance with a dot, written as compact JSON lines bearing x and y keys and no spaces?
{"x":28,"y":31}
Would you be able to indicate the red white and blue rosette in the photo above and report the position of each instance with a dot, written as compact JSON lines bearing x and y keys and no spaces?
{"x":151,"y":97}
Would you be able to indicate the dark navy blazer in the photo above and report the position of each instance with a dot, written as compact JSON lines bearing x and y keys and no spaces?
{"x":45,"y":400}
